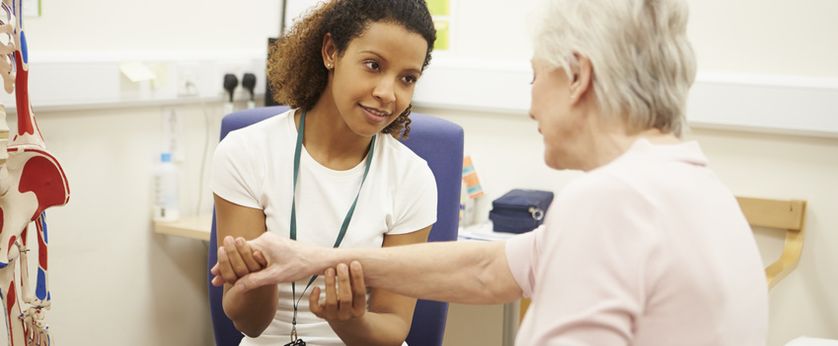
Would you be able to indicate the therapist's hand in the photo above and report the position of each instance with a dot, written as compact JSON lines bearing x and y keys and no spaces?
{"x":286,"y":261}
{"x":235,"y":260}
{"x":346,"y":294}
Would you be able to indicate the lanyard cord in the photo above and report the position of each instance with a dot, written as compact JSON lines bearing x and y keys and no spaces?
{"x":346,"y":219}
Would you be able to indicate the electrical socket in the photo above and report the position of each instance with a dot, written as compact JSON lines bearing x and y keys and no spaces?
{"x":187,"y":80}
{"x":238,"y":68}
{"x":233,"y":67}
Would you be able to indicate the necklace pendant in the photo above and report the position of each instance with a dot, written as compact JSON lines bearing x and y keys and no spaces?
{"x":295,"y":341}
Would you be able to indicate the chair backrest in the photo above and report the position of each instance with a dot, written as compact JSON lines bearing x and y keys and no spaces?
{"x":786,"y":215}
{"x":437,"y":141}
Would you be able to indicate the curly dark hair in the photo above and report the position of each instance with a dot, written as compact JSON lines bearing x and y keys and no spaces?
{"x":295,"y":68}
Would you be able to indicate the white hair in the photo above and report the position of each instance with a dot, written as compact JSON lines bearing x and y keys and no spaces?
{"x":643,"y":64}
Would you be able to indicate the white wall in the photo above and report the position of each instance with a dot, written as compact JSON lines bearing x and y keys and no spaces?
{"x":766,"y":36}
{"x":113,"y":279}
{"x":151,"y":25}
{"x":744,"y":36}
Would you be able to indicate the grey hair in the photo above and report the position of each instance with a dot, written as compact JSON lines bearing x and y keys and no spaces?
{"x":642,"y":60}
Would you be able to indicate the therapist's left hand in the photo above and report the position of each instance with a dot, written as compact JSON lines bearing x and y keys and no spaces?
{"x":286,"y":261}
{"x":346,"y":294}
{"x":235,"y":260}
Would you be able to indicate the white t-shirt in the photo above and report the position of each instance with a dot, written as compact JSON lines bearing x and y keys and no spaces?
{"x":253,"y":167}
{"x":650,"y":249}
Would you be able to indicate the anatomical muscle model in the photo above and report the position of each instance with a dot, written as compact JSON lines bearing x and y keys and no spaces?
{"x":31,"y":180}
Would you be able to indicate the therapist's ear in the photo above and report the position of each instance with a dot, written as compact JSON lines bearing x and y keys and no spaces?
{"x":582,"y":74}
{"x":328,"y":51}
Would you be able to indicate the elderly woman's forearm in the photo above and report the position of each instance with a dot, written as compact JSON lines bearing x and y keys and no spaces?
{"x":461,"y":272}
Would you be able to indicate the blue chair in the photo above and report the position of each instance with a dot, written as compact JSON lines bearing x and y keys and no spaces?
{"x":440,"y":143}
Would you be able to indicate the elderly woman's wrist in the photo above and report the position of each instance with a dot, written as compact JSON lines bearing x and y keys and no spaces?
{"x":322,"y":259}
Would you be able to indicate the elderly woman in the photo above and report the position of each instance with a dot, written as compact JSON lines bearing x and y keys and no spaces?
{"x":648,"y":247}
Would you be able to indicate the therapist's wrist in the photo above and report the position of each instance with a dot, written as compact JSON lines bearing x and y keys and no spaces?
{"x":351,"y":324}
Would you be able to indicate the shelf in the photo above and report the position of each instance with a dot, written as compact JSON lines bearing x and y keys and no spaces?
{"x":193,"y":227}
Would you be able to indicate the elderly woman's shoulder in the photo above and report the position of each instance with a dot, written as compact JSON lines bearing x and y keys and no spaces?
{"x":601,"y":186}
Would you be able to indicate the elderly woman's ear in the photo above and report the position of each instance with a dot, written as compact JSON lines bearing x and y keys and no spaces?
{"x":581,"y":77}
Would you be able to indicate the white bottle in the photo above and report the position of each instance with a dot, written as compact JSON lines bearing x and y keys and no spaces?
{"x":166,"y":190}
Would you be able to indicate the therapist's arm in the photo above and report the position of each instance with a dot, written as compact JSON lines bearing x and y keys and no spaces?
{"x":467,"y":272}
{"x":387,"y":322}
{"x":251,"y":311}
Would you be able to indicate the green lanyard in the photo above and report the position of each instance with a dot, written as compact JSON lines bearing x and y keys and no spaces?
{"x":346,"y":219}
